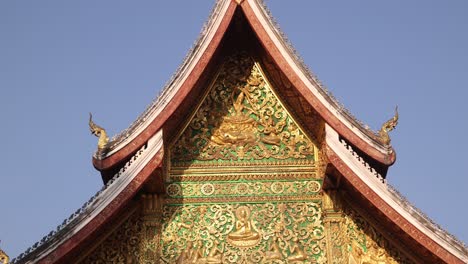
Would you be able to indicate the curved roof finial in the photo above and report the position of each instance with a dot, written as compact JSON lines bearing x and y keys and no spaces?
{"x":387,"y":127}
{"x":4,"y":259}
{"x":98,"y":132}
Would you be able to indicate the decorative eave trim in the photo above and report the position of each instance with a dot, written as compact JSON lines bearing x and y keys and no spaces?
{"x":334,"y":114}
{"x":118,"y":191}
{"x":176,"y":90}
{"x":392,"y":206}
{"x":191,"y":69}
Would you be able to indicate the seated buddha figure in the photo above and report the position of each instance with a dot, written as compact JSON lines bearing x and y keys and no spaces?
{"x":244,"y":234}
{"x":238,"y":128}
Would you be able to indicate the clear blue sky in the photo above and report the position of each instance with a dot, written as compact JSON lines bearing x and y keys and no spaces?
{"x":60,"y":60}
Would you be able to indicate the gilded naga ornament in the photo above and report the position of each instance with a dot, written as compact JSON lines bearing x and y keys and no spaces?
{"x":4,"y":259}
{"x":98,"y":132}
{"x":387,"y":127}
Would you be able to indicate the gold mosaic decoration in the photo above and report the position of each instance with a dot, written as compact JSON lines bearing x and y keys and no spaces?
{"x":243,"y":188}
{"x":243,"y":233}
{"x":352,"y":239}
{"x":241,"y":119}
{"x":243,"y":184}
{"x":122,"y":246}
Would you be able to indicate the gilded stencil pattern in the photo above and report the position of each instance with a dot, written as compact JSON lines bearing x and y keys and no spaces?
{"x":241,"y":119}
{"x":123,"y":246}
{"x":366,"y":245}
{"x":245,"y":186}
{"x":243,"y":233}
{"x":352,"y":239}
{"x":242,"y":188}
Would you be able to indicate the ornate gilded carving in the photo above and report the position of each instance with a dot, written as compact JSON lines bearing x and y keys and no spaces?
{"x":387,"y":127}
{"x":98,"y":132}
{"x":243,"y":188}
{"x":136,"y":239}
{"x":244,"y":185}
{"x":122,"y":246}
{"x":4,"y":259}
{"x":352,"y":239}
{"x":243,"y":233}
{"x":241,"y":119}
{"x":240,"y":151}
{"x":151,"y":228}
{"x":366,"y":244}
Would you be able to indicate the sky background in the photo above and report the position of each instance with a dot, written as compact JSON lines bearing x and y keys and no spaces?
{"x":60,"y":60}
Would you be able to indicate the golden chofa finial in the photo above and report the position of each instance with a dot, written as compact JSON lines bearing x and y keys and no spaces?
{"x":4,"y":259}
{"x":387,"y":127}
{"x":98,"y":132}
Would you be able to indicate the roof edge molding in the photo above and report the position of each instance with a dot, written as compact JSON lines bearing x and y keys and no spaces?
{"x":107,"y":201}
{"x":310,"y":87}
{"x":391,"y":204}
{"x":129,"y":140}
{"x":174,"y":91}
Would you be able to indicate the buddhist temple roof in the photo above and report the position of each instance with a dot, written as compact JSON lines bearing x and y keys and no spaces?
{"x":124,"y":143}
{"x":351,"y":148}
{"x":94,"y":213}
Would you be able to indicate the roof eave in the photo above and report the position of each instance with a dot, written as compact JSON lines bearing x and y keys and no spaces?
{"x":98,"y":211}
{"x":283,"y":55}
{"x":174,"y":93}
{"x":370,"y":185}
{"x":310,"y":88}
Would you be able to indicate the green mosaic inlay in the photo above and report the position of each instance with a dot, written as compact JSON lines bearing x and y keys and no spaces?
{"x":242,"y":188}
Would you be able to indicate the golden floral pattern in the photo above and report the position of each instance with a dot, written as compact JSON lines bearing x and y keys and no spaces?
{"x":352,"y":239}
{"x":244,"y":185}
{"x":241,"y":119}
{"x":247,"y":188}
{"x":122,"y":246}
{"x":243,"y":233}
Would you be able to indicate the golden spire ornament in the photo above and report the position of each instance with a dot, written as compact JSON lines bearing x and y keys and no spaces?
{"x":387,"y":127}
{"x":4,"y":259}
{"x":98,"y":132}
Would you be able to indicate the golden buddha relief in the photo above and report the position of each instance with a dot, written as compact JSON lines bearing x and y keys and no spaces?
{"x":246,"y":233}
{"x":243,"y":183}
{"x":245,"y":186}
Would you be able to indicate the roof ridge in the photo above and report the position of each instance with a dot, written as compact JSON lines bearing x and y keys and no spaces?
{"x":124,"y":134}
{"x":311,"y":75}
{"x":120,"y":137}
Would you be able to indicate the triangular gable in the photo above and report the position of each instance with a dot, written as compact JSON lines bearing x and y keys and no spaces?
{"x":342,"y":133}
{"x":191,"y":71}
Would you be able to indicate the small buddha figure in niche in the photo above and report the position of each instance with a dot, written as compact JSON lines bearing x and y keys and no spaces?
{"x":244,"y":235}
{"x":297,"y":254}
